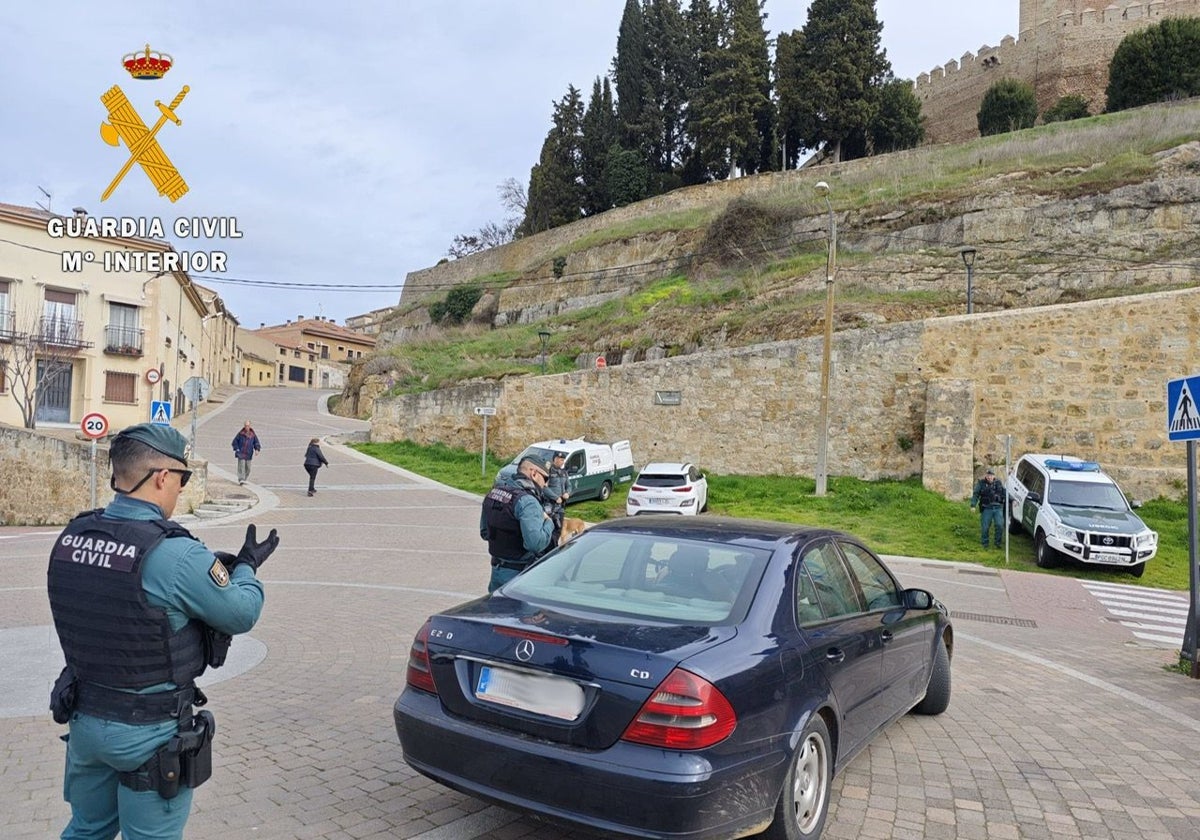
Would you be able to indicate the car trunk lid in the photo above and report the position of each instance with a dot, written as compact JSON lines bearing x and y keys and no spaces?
{"x":572,"y":680}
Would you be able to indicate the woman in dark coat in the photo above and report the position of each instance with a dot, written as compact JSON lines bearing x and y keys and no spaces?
{"x":314,"y":459}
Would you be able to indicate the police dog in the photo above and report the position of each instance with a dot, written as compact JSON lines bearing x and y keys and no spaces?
{"x":571,"y":527}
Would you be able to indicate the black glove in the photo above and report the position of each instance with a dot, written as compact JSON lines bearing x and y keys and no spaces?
{"x":256,"y":553}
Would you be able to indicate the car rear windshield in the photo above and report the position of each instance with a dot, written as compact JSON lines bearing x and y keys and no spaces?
{"x":661,"y":480}
{"x":1087,"y":494}
{"x":651,"y":577}
{"x":543,"y":455}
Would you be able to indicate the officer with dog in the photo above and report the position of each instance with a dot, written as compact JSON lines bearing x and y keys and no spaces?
{"x":556,"y":492}
{"x":514,"y":522}
{"x":142,"y":608}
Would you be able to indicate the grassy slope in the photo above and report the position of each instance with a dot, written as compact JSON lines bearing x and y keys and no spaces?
{"x":753,"y":298}
{"x":894,"y":517}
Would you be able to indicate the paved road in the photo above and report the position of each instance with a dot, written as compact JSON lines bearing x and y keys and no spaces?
{"x":1063,"y":723}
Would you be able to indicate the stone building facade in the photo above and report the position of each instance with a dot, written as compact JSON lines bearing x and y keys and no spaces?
{"x":934,"y":398}
{"x":1064,"y":47}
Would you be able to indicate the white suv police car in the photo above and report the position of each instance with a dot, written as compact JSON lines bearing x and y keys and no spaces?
{"x":1073,"y":510}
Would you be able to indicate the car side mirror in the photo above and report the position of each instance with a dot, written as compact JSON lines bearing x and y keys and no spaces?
{"x":918,"y":599}
{"x":1135,"y":504}
{"x":1036,"y":498}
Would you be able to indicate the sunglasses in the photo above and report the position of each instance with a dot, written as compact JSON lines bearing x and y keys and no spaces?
{"x":184,"y":477}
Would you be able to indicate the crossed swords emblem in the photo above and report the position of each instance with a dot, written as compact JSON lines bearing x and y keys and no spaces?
{"x":125,"y":124}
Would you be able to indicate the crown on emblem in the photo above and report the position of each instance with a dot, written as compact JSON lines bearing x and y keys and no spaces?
{"x":147,"y":64}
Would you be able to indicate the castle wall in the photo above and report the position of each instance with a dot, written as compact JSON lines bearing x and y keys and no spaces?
{"x":1065,"y":47}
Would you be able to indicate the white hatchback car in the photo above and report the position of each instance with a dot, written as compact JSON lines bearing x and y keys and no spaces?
{"x":668,"y":488}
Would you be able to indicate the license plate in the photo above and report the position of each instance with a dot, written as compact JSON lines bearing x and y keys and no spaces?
{"x":1106,"y":557}
{"x":550,"y":696}
{"x":660,"y":501}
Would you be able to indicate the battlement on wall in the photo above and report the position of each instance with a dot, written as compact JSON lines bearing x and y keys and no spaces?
{"x":1066,"y":54}
{"x":1047,"y":34}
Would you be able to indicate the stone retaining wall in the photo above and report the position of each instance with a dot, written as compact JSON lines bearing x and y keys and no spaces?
{"x":46,"y":480}
{"x":932,"y":398}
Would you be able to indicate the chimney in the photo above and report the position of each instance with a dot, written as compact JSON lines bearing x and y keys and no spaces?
{"x":79,"y":211}
{"x":261,"y":325}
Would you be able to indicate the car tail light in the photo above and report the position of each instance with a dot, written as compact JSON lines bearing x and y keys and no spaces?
{"x":633,"y":501}
{"x":687,"y":489}
{"x":685,"y":712}
{"x":638,"y":488}
{"x":420,"y":675}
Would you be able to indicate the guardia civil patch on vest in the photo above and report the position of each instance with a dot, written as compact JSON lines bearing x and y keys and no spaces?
{"x":219,"y":573}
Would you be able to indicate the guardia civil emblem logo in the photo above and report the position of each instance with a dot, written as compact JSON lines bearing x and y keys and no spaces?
{"x":125,"y":125}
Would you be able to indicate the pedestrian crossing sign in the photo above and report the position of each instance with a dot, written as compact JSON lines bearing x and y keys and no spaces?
{"x":160,"y":413}
{"x":1183,"y":416}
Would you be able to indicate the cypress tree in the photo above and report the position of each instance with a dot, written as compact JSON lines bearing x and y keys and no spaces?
{"x":599,"y":135}
{"x":555,"y":186}
{"x":837,"y":71}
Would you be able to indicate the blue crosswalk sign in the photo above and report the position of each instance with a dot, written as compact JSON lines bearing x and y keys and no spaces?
{"x":1183,"y":416}
{"x":160,"y":413}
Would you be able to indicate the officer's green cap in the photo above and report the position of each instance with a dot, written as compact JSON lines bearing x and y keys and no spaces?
{"x":164,"y":439}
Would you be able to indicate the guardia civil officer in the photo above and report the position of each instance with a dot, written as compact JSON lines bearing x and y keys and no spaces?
{"x":556,"y":492}
{"x":142,"y":608}
{"x":989,"y":496}
{"x":514,"y":522}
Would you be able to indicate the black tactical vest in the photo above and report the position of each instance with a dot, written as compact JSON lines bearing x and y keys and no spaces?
{"x":109,"y":633}
{"x":991,"y":494}
{"x":504,"y":529}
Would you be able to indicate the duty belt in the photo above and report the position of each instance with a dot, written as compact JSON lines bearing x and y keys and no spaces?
{"x":126,"y":707}
{"x":509,"y":564}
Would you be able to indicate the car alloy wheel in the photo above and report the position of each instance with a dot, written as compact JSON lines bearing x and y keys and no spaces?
{"x":804,"y":802}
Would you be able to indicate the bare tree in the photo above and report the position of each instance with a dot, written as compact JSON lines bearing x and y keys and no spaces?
{"x":27,"y":338}
{"x":514,"y":199}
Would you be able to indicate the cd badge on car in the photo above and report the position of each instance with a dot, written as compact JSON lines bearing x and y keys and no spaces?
{"x":525,"y":650}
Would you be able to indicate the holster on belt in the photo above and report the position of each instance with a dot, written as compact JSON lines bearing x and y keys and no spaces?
{"x":184,"y":760}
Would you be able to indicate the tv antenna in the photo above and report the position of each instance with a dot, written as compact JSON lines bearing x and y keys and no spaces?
{"x":39,"y":204}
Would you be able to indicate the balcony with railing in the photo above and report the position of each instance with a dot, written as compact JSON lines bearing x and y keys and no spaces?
{"x":65,"y":333}
{"x":8,"y":323}
{"x":123,"y":341}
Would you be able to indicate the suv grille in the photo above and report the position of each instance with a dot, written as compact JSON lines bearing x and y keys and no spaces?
{"x":1104,"y":541}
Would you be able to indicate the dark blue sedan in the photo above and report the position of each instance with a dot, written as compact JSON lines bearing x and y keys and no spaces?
{"x":675,"y":677}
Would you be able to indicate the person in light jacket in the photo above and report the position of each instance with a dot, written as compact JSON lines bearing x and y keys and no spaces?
{"x":314,"y":459}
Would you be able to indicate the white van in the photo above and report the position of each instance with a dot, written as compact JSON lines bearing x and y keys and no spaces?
{"x":593,"y":468}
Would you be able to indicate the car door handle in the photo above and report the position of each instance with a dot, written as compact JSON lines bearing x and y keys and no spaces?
{"x":834,"y":655}
{"x":886,"y":636}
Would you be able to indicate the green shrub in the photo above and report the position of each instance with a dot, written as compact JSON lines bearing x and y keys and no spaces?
{"x":1073,"y":107}
{"x":1008,"y":105}
{"x":1157,"y":64}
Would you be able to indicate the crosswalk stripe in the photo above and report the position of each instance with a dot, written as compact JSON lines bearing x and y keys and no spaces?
{"x":1152,"y":615}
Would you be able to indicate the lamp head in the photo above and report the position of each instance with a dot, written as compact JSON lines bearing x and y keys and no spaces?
{"x":822,"y":188}
{"x":968,"y":256}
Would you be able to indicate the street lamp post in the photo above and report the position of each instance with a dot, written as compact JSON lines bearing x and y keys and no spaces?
{"x":822,"y":189}
{"x":543,"y":335}
{"x":968,"y":258}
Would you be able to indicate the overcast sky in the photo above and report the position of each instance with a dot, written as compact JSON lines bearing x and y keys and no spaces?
{"x":352,"y":141}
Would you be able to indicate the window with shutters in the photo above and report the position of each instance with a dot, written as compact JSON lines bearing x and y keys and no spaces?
{"x":7,"y":320}
{"x":120,"y":387}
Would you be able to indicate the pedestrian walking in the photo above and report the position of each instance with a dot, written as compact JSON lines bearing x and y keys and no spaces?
{"x":314,"y":459}
{"x":989,"y":497}
{"x":142,"y":608}
{"x":245,"y":444}
{"x":514,"y":522}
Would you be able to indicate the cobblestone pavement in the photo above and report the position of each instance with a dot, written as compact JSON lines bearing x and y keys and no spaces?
{"x":1063,"y":724}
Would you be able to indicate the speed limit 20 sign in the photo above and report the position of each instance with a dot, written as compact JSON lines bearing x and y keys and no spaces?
{"x":94,"y":425}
